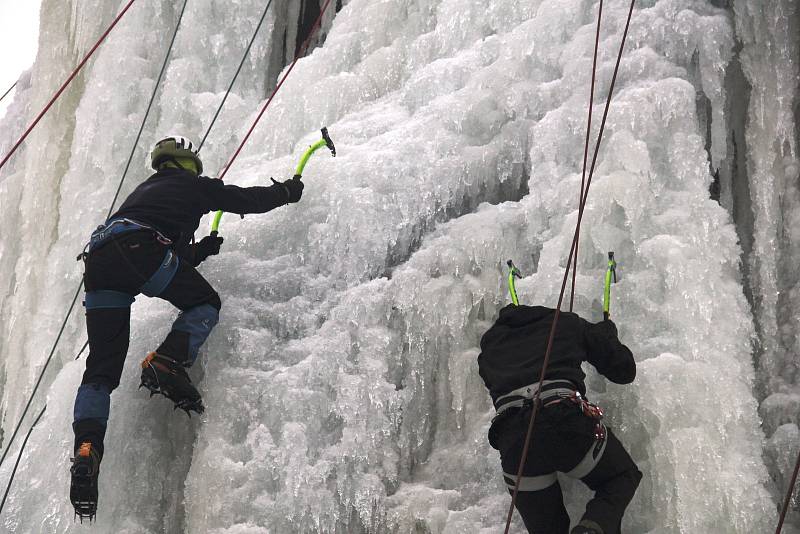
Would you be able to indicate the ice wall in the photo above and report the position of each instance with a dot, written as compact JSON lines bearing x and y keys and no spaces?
{"x":770,"y":57}
{"x":341,"y":383}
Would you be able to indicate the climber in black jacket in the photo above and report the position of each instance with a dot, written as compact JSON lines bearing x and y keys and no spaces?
{"x":147,"y":247}
{"x":568,"y":435}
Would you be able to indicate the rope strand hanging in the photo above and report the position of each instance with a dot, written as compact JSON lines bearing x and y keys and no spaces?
{"x":572,"y":250}
{"x":235,"y":75}
{"x":66,"y":84}
{"x":586,"y":144}
{"x":300,"y":53}
{"x":787,"y":501}
{"x":8,"y":91}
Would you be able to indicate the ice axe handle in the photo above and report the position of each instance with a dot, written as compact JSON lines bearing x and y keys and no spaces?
{"x":611,"y":276}
{"x":513,"y":273}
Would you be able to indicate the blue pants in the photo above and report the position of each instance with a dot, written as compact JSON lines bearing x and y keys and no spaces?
{"x":118,"y":270}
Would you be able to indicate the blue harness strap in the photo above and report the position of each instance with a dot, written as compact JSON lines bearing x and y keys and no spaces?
{"x":163,"y":276}
{"x":152,"y":288}
{"x":106,"y":298}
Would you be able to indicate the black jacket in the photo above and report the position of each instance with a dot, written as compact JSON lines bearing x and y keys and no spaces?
{"x":512,"y":350}
{"x":172,"y":201}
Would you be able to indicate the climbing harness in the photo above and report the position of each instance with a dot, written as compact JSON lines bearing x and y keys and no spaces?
{"x":513,"y":273}
{"x":788,"y":498}
{"x":152,"y":287}
{"x":611,"y":276}
{"x":8,"y":91}
{"x":523,"y":396}
{"x":105,"y":232}
{"x":326,"y":141}
{"x":552,"y":393}
{"x":573,"y":249}
{"x":66,"y":83}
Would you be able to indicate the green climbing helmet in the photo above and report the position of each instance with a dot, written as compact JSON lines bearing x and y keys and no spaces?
{"x":172,"y":148}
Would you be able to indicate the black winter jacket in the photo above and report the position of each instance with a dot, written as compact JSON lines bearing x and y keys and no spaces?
{"x":172,"y":201}
{"x":512,"y":350}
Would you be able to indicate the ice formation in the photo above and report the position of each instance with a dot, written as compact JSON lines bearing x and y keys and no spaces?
{"x":341,"y":382}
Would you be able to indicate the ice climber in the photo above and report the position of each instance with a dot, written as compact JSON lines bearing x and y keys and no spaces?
{"x":568,"y":435}
{"x":147,"y":247}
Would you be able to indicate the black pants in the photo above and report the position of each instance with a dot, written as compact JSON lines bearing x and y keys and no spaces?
{"x":124,"y":264}
{"x":564,"y":440}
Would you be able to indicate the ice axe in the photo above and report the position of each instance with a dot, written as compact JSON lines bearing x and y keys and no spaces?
{"x":325,"y":141}
{"x":298,"y":172}
{"x":611,"y":275}
{"x":513,"y":273}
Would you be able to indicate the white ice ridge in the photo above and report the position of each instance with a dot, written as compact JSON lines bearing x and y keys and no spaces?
{"x":341,"y":384}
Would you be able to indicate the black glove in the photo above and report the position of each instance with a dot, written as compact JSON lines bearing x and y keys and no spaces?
{"x":607,"y":327}
{"x":293,"y":188}
{"x":208,"y":246}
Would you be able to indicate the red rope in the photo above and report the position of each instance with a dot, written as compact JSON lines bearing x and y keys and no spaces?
{"x":586,"y":145}
{"x":566,"y":276}
{"x":66,"y":83}
{"x":788,"y":496}
{"x":297,"y":56}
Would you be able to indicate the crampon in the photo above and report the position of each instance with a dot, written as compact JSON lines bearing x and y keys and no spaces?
{"x":83,"y":487}
{"x":167,"y":377}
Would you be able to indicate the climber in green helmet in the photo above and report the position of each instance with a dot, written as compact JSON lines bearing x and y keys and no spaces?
{"x":148,"y":247}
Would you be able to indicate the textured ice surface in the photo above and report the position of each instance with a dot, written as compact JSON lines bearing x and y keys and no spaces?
{"x":341,"y":383}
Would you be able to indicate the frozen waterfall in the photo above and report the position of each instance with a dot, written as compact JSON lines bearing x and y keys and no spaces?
{"x":341,"y":384}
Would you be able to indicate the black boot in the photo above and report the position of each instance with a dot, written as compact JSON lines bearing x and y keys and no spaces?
{"x":83,"y":487}
{"x":586,"y":527}
{"x":164,"y":375}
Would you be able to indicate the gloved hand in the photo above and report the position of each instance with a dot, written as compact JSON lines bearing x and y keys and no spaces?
{"x":208,"y":246}
{"x":608,"y":327}
{"x":293,"y":187}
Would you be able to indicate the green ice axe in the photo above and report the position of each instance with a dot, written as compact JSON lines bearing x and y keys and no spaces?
{"x":611,"y":275}
{"x":325,"y":141}
{"x":513,"y":273}
{"x":298,"y":172}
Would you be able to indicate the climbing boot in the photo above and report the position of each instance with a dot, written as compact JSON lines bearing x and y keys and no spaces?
{"x":83,"y":487}
{"x":586,"y":527}
{"x":166,"y":376}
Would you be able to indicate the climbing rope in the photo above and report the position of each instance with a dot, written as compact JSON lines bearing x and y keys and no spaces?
{"x":66,"y":83}
{"x":19,"y":457}
{"x":147,"y":111}
{"x":28,"y":435}
{"x":572,"y":250}
{"x":80,"y":285}
{"x":789,"y":493}
{"x":236,"y":75}
{"x":586,"y":144}
{"x":300,"y":53}
{"x":8,"y":91}
{"x":41,"y":375}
